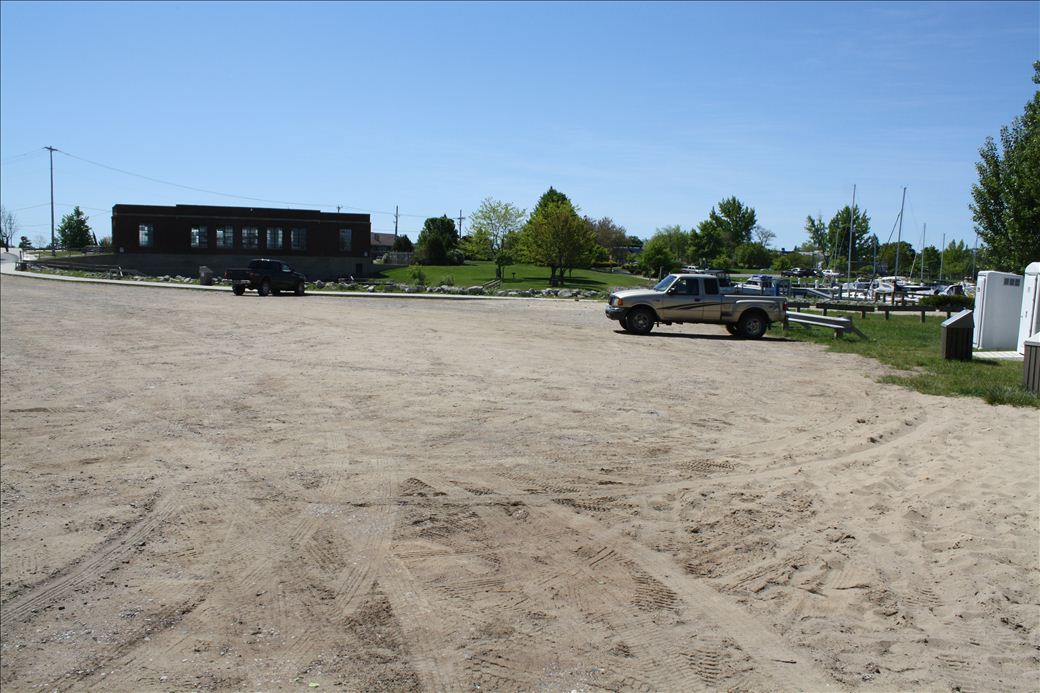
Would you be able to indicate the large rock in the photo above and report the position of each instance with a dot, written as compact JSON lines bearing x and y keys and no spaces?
{"x":474,"y":290}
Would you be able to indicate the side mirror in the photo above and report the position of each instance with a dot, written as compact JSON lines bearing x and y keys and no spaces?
{"x":672,"y":289}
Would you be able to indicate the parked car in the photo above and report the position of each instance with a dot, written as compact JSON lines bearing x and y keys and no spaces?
{"x":266,"y":277}
{"x":798,"y":272}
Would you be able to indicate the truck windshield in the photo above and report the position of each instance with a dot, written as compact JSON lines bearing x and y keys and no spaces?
{"x":665,"y":283}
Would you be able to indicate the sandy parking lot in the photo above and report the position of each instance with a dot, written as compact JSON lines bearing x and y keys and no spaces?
{"x":204,"y":492}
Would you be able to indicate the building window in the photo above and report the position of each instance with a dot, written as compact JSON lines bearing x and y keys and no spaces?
{"x":250,"y":237}
{"x":146,"y":235}
{"x":274,"y":239}
{"x":299,"y":239}
{"x":225,"y":237}
{"x":199,"y":239}
{"x":345,"y":238}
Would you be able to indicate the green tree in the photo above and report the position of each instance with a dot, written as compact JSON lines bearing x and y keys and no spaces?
{"x":753,"y":255}
{"x":659,"y":254}
{"x":555,"y":236}
{"x":785,"y":261}
{"x":1006,"y":200}
{"x":817,"y":231}
{"x":402,"y":244}
{"x":732,"y":222}
{"x":74,"y":231}
{"x":674,"y":239}
{"x":705,"y":243}
{"x":886,"y":257}
{"x":956,"y":260}
{"x":489,"y":226}
{"x":610,"y":236}
{"x":437,"y":240}
{"x":476,"y":246}
{"x":929,"y":261}
{"x":838,"y":235}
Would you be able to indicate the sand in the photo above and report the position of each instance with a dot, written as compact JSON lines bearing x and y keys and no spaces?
{"x":208,"y":492}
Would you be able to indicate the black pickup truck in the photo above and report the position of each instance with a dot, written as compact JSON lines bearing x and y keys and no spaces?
{"x":266,"y":277}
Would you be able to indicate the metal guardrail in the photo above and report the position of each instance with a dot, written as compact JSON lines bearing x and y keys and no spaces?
{"x":839,"y":325}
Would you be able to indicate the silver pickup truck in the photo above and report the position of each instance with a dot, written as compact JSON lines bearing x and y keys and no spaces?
{"x":680,"y":298}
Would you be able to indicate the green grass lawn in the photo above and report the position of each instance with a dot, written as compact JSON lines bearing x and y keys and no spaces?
{"x":911,"y":346}
{"x":514,"y":277}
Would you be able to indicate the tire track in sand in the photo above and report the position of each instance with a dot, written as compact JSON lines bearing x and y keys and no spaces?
{"x":90,"y":568}
{"x":665,"y":585}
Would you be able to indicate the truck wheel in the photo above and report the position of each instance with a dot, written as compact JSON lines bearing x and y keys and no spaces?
{"x":300,"y":288}
{"x":623,"y":321}
{"x":732,"y":329}
{"x":752,"y":325}
{"x":265,"y":288}
{"x":238,"y":289}
{"x":641,"y":321}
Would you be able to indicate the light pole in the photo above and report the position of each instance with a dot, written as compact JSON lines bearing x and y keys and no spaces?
{"x":51,"y":150}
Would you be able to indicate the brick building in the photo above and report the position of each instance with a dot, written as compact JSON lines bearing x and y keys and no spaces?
{"x":180,"y":239}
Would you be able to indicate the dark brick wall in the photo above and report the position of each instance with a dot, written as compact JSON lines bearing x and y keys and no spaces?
{"x":171,"y":251}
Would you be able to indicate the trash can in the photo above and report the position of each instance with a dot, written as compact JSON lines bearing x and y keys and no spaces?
{"x":21,"y":266}
{"x":205,"y":276}
{"x":1031,"y":376}
{"x":956,"y":336}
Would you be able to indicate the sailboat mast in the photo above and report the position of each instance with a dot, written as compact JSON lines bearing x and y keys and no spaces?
{"x":852,"y":219}
{"x":899,"y":238}
{"x":923,"y":233}
{"x":942,"y":256}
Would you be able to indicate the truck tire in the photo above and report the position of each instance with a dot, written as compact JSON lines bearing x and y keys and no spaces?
{"x":238,"y":289}
{"x":623,"y":321}
{"x":265,"y":288}
{"x":753,"y":324}
{"x":640,"y":321}
{"x":300,"y":288}
{"x":732,"y":329}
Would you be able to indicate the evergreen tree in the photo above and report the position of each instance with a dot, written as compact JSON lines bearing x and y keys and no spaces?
{"x":74,"y":231}
{"x":437,"y":240}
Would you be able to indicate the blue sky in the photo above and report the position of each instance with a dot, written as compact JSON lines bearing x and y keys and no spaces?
{"x":646,"y":113}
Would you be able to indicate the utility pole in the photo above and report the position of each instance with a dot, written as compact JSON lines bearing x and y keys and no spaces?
{"x":460,"y":223}
{"x":52,"y":150}
{"x":396,"y":215}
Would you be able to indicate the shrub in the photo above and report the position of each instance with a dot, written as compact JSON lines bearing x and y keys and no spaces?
{"x":948,"y":302}
{"x":447,"y":280}
{"x":415,"y":272}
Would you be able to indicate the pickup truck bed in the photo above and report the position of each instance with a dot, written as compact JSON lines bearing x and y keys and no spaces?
{"x":266,"y":277}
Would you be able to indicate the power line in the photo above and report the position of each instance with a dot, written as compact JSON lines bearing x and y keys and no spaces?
{"x":12,"y":159}
{"x":234,"y":196}
{"x":61,"y":204}
{"x":190,"y":187}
